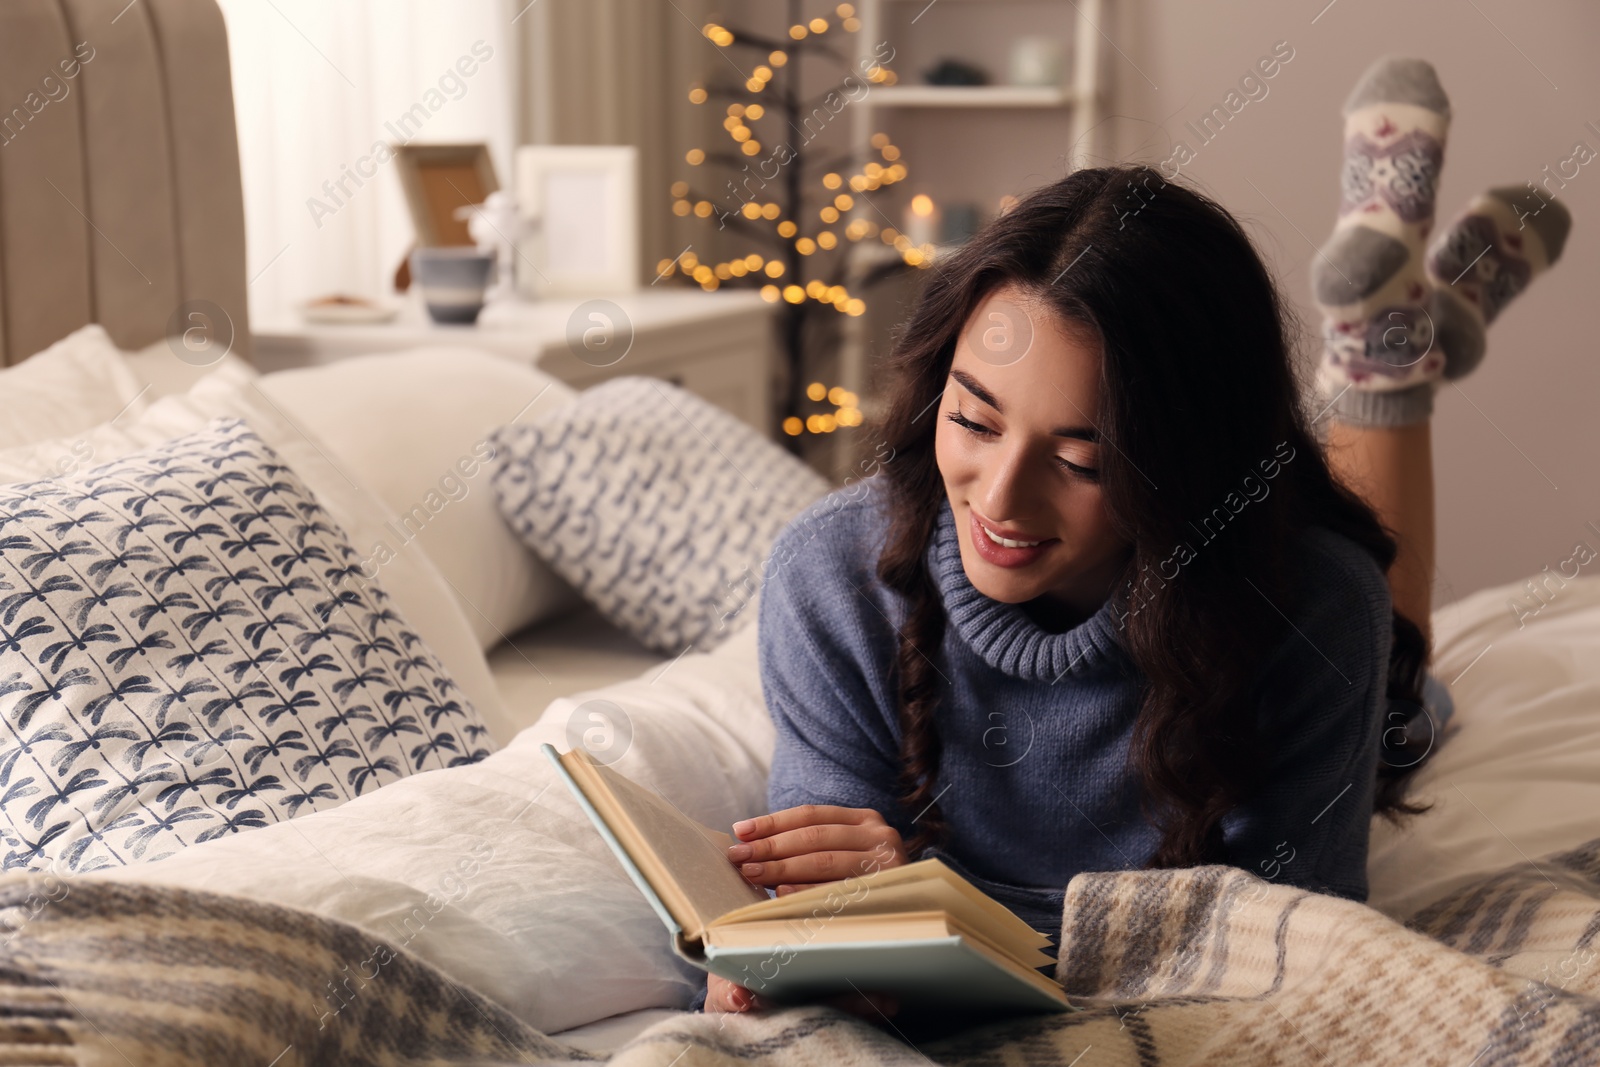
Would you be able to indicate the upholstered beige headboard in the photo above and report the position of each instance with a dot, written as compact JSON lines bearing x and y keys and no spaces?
{"x":120,"y":198}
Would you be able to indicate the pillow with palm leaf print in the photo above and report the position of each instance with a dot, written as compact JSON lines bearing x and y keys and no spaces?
{"x":190,"y":647}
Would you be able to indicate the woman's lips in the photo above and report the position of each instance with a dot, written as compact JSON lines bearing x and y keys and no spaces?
{"x":999,"y":554}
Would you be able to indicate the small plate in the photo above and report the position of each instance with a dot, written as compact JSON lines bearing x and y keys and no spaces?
{"x":364,"y":313}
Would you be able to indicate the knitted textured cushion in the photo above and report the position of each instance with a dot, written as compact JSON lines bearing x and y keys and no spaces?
{"x":656,"y":505}
{"x":189,"y":648}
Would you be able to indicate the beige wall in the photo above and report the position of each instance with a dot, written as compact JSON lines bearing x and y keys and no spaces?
{"x":1517,"y":445}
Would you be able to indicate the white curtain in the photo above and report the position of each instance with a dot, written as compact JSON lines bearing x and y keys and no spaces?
{"x":317,"y":85}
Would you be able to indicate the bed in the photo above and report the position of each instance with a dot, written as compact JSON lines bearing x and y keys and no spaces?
{"x":467,"y":912}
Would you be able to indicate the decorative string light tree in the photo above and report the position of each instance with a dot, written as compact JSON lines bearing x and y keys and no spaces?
{"x":792,"y":203}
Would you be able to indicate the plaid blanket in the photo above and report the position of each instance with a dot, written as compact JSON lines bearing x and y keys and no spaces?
{"x":1208,"y":965}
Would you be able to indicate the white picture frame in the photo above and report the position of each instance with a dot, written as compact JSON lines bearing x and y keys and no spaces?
{"x":579,"y":208}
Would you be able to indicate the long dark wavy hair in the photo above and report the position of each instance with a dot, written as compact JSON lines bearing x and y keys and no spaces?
{"x":1196,"y":347}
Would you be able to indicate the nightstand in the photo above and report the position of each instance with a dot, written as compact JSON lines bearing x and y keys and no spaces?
{"x":717,"y":345}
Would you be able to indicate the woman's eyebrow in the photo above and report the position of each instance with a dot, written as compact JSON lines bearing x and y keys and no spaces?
{"x":975,"y":387}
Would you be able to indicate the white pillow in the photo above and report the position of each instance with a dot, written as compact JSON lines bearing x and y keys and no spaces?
{"x":1520,"y":777}
{"x":411,"y":579}
{"x":491,"y":873}
{"x":413,"y":426}
{"x":76,"y":383}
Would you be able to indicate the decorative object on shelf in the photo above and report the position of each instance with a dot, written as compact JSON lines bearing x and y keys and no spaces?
{"x":961,"y":221}
{"x":452,"y":281}
{"x":1036,"y":61}
{"x":578,"y":204}
{"x":438,"y":179}
{"x":950,"y":71}
{"x":922,"y":220}
{"x":779,"y":186}
{"x":496,"y":227}
{"x":342,"y":309}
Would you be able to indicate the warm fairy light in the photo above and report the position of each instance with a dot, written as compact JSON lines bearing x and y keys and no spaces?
{"x":754,"y":111}
{"x":750,"y":211}
{"x":751,"y":148}
{"x":844,"y":11}
{"x":752,"y":262}
{"x":793,"y":293}
{"x":856,"y":306}
{"x":771,"y":211}
{"x":819,"y":25}
{"x":703,"y":209}
{"x":827,"y":239}
{"x":689,"y":261}
{"x":774,"y":269}
{"x":851,"y":24}
{"x":797,"y":32}
{"x":664,"y":268}
{"x":922,"y":204}
{"x":891,"y":153}
{"x":680,"y":189}
{"x":732,"y":122}
{"x":844,"y":202}
{"x":786,"y":228}
{"x":770,"y":293}
{"x":778,"y":59}
{"x":829,"y":214}
{"x":738,"y":269}
{"x":793,"y":426}
{"x":723,"y":271}
{"x":858,"y":183}
{"x":895,"y":173}
{"x":755,"y":85}
{"x":739,"y":131}
{"x":681,"y":208}
{"x":831,"y":180}
{"x":697,"y":95}
{"x":879,"y":139}
{"x":694,"y":157}
{"x":763,"y":72}
{"x":816,"y":391}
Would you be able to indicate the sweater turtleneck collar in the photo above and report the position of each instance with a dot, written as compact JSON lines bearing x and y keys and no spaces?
{"x":1003,"y":634}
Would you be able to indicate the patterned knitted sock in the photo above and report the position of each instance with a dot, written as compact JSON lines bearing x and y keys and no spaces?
{"x":1486,"y":256}
{"x":1379,"y":358}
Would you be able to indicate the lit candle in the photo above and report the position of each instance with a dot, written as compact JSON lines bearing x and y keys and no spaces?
{"x":922,"y":220}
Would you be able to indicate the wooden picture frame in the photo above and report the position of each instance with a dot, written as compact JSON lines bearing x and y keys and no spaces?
{"x":581,"y":204}
{"x":438,"y":179}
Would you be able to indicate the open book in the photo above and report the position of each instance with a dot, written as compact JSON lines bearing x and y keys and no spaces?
{"x":920,"y":932}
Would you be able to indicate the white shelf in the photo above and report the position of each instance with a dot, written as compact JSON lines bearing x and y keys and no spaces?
{"x":971,"y":96}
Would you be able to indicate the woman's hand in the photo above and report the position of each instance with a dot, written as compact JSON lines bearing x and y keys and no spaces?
{"x":797,"y":848}
{"x":814,"y":844}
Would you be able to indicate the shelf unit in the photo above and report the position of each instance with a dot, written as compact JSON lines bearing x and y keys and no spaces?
{"x":1082,"y":98}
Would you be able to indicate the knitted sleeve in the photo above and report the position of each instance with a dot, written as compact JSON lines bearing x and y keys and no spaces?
{"x":834,"y":743}
{"x":1322,"y":700}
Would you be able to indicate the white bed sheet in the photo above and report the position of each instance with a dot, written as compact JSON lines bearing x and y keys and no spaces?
{"x":576,"y":652}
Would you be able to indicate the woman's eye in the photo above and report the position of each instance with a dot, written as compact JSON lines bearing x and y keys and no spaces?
{"x":956,"y":417}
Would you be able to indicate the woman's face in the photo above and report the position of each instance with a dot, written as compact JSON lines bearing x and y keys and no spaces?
{"x":1019,"y":450}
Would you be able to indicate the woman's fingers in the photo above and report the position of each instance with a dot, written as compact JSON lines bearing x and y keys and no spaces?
{"x":819,"y":837}
{"x":803,"y":815}
{"x":810,"y":868}
{"x":723,"y":995}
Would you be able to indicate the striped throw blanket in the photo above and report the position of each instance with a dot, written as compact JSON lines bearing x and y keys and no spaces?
{"x":1204,"y":966}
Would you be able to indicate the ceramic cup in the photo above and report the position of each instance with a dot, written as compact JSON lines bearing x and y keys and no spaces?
{"x":453,"y":280}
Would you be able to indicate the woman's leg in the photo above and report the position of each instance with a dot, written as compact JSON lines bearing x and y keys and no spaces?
{"x":1391,"y":467}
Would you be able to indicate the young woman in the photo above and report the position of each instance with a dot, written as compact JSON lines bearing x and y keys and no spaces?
{"x":1111,"y":604}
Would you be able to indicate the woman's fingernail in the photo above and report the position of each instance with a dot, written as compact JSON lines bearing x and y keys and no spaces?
{"x":751,"y":870}
{"x":744,"y":826}
{"x":784,"y":890}
{"x":739,"y":852}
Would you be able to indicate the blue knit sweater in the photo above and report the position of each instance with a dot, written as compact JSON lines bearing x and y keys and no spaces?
{"x":1033,"y":777}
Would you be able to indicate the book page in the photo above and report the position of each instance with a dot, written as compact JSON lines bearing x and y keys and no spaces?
{"x":684,"y":861}
{"x":926,"y":885}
